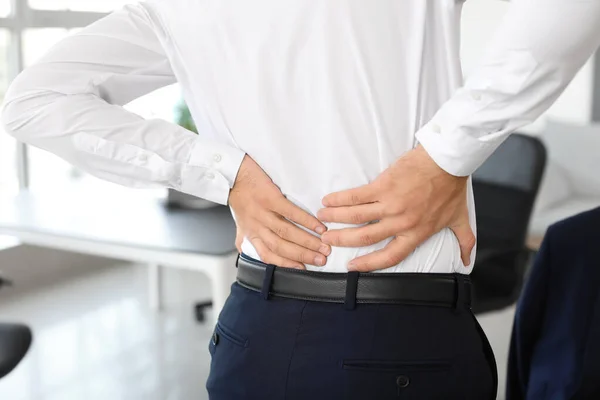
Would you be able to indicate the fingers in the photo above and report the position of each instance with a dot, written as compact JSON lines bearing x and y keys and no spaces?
{"x":359,"y":214}
{"x":466,"y":238}
{"x":291,"y":251}
{"x":402,"y":246}
{"x":292,"y":233}
{"x":286,"y":250}
{"x":392,"y":254}
{"x":289,"y":210}
{"x":360,"y":195}
{"x":269,"y":257}
{"x":362,"y":236}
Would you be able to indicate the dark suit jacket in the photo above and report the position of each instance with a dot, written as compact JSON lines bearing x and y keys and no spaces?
{"x":555,"y":347}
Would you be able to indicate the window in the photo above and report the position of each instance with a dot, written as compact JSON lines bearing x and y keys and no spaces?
{"x":5,"y":8}
{"x":8,"y":146}
{"x":78,"y":5}
{"x":4,"y":50}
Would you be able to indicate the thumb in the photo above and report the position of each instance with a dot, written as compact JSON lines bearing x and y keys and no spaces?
{"x":466,"y":237}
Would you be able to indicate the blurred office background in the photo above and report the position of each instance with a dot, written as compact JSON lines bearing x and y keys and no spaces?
{"x":95,"y":335}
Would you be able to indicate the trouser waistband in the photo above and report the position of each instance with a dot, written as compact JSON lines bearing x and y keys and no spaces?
{"x":443,"y":290}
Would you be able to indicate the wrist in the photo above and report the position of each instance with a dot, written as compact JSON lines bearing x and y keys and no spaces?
{"x":425,"y":160}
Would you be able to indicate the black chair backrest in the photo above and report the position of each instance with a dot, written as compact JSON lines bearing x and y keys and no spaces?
{"x":505,"y":189}
{"x":15,"y":340}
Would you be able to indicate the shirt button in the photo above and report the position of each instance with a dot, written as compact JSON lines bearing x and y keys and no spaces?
{"x":143,"y":157}
{"x":402,"y":381}
{"x":217,"y":157}
{"x":476,"y":96}
{"x":215,"y":339}
{"x":436,"y":128}
{"x":210,"y":175}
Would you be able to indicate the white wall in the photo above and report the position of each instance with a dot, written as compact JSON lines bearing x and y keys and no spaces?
{"x":480,"y":19}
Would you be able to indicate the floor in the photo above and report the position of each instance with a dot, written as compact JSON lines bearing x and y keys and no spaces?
{"x":96,"y":339}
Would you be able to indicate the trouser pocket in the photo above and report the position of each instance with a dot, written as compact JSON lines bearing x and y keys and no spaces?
{"x":489,"y":355}
{"x":390,"y":379}
{"x":229,"y":360}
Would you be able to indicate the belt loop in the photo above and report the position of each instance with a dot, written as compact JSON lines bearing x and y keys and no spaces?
{"x":460,"y":292}
{"x":267,"y":281}
{"x":237,"y":260}
{"x":468,"y":292}
{"x":351,"y":288}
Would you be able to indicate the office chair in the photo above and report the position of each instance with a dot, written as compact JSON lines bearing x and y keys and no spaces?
{"x":505,"y":189}
{"x":15,"y":340}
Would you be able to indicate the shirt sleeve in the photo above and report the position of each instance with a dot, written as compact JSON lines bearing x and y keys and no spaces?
{"x":540,"y":46}
{"x":70,"y":103}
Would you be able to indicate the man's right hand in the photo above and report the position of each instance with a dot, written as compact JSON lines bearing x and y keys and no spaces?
{"x":411,"y":200}
{"x":263,"y":215}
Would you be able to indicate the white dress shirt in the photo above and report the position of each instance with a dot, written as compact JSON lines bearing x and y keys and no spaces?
{"x":324,"y":95}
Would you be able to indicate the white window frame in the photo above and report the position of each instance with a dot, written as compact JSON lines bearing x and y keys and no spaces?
{"x":24,"y":17}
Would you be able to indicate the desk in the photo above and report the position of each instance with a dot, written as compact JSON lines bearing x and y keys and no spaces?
{"x":132,"y":228}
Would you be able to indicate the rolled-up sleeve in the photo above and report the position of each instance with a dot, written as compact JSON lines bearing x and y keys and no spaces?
{"x":70,"y":103}
{"x":535,"y":54}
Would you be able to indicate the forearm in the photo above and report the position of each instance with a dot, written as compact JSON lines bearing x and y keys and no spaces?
{"x":537,"y":51}
{"x":113,"y":144}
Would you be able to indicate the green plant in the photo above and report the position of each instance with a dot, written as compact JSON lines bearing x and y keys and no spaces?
{"x":183,"y":117}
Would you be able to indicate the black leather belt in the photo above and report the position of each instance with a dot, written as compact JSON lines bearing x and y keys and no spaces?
{"x":376,"y":288}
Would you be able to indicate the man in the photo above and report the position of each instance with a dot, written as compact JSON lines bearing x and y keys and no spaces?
{"x":342,"y":116}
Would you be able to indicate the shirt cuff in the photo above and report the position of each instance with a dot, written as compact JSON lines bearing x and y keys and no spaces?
{"x":455,"y":152}
{"x":211,"y":170}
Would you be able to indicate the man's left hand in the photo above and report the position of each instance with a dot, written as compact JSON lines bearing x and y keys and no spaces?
{"x":411,"y":201}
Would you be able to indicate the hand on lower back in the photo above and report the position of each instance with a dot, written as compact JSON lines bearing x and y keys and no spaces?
{"x":411,"y":201}
{"x":263,"y":215}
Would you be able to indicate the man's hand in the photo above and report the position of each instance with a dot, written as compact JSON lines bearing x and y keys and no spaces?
{"x":411,"y":201}
{"x":262,"y":214}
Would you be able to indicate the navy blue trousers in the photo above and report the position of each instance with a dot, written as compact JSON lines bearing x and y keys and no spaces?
{"x":278,"y":348}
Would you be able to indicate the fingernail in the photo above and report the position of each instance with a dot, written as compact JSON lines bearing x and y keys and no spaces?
{"x":320,"y":230}
{"x":319,"y":260}
{"x":325,"y":239}
{"x":324,"y":249}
